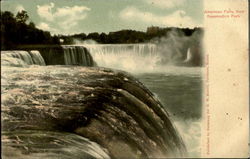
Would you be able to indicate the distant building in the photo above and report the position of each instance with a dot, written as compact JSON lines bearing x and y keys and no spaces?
{"x":153,"y":30}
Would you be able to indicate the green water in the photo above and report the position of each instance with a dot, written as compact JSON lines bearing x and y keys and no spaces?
{"x":181,"y":94}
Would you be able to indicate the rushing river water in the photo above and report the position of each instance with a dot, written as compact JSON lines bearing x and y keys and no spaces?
{"x":180,"y":92}
{"x":177,"y":87}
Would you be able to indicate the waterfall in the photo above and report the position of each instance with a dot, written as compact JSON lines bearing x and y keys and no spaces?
{"x":143,"y":57}
{"x":128,"y":49}
{"x":48,"y":55}
{"x":77,"y":55}
{"x":21,"y":58}
{"x":189,"y":56}
{"x":84,"y":112}
{"x":37,"y":57}
{"x":66,"y":55}
{"x":129,"y":57}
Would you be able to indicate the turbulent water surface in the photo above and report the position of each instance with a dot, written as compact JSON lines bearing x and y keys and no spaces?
{"x":179,"y":88}
{"x":180,"y":91}
{"x":96,"y":112}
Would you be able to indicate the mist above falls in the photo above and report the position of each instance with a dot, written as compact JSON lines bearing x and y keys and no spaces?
{"x":173,"y":50}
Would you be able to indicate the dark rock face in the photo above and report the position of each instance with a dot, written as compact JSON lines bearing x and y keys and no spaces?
{"x":79,"y":112}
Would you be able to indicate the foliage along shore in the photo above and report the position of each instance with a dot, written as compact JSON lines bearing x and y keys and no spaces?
{"x":17,"y":31}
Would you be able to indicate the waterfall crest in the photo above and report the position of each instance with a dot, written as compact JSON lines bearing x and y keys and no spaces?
{"x":48,"y":55}
{"x":37,"y":57}
{"x":128,"y":57}
{"x":111,"y":109}
{"x":139,"y":58}
{"x":137,"y":49}
{"x":77,"y":55}
{"x":22,"y":58}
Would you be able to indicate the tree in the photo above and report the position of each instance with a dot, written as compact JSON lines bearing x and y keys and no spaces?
{"x":93,"y":36}
{"x":32,"y":25}
{"x":22,"y":16}
{"x":103,"y":38}
{"x":7,"y":17}
{"x":16,"y":31}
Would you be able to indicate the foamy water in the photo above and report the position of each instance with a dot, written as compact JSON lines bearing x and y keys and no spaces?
{"x":190,"y":131}
{"x":179,"y":90}
{"x":135,"y":58}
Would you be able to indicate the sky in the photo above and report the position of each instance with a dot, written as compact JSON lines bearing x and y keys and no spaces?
{"x":85,"y":16}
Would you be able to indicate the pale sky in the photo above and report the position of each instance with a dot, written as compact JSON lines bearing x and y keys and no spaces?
{"x":76,"y":16}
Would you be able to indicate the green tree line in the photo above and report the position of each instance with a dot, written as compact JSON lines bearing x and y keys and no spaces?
{"x":128,"y":36}
{"x":15,"y":31}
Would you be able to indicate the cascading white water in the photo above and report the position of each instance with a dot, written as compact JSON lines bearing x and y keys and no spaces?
{"x":62,"y":55}
{"x":135,"y":58}
{"x":77,"y":55}
{"x":129,"y":57}
{"x":37,"y":57}
{"x":189,"y":56}
{"x":21,"y":58}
